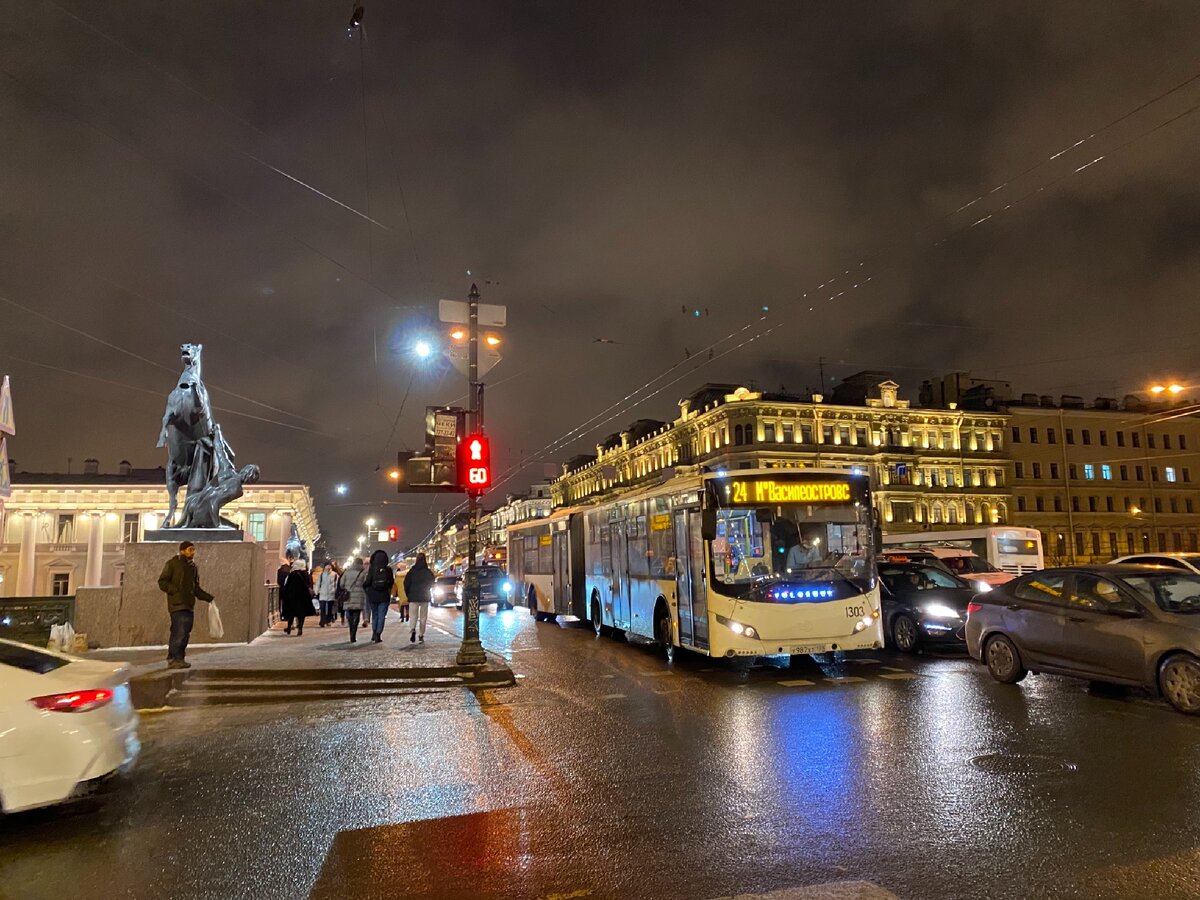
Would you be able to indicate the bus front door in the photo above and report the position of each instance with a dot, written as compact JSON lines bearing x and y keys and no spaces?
{"x":561,"y":601}
{"x":621,"y":586}
{"x":690,"y":580}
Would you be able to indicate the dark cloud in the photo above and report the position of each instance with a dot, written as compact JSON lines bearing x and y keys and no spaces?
{"x":604,"y":166}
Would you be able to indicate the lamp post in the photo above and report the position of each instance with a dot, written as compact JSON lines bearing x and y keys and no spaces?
{"x":470,"y":653}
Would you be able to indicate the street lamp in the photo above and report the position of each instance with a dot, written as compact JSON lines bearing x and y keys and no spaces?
{"x":370,"y":523}
{"x":423,"y":349}
{"x":341,"y":489}
{"x":1169,"y":388}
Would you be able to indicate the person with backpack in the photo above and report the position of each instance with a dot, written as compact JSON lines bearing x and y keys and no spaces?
{"x":378,"y":585}
{"x":418,"y":588}
{"x":355,"y":598}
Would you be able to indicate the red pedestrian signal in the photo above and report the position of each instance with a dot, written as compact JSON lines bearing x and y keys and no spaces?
{"x":393,"y":533}
{"x":474,"y":464}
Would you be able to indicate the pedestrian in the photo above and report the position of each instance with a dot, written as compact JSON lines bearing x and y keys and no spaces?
{"x":378,"y":585}
{"x":401,"y":597}
{"x":326,"y":591}
{"x":418,"y":587}
{"x":282,"y":573}
{"x":355,"y":599}
{"x":296,"y":597}
{"x":180,"y":581}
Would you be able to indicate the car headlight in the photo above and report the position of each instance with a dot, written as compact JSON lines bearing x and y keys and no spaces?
{"x":507,"y":587}
{"x":982,"y":587}
{"x":939,"y":611}
{"x":438,"y":591}
{"x":738,"y":627}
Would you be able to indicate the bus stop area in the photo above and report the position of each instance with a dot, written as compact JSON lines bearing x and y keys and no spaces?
{"x":320,"y":664}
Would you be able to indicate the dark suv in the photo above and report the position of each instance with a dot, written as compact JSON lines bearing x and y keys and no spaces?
{"x":494,"y":587}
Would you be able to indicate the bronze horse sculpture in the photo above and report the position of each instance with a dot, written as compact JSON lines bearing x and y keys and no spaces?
{"x":189,"y":432}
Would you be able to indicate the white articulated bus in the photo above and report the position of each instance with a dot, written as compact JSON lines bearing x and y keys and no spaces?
{"x":1009,"y":548}
{"x":740,"y":564}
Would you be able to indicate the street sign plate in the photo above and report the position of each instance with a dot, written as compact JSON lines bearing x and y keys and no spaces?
{"x":7,"y":424}
{"x":458,"y":312}
{"x":459,"y":356}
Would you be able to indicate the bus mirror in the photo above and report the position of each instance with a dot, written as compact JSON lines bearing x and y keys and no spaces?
{"x":763,"y":514}
{"x":708,"y":524}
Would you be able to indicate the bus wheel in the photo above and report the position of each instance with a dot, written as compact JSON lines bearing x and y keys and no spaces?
{"x":662,"y":631}
{"x":597,"y":620}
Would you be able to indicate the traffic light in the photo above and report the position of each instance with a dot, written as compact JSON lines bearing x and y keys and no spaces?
{"x":393,"y":533}
{"x":474,"y":464}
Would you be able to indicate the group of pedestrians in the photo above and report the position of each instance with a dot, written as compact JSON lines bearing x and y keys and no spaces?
{"x":359,"y":595}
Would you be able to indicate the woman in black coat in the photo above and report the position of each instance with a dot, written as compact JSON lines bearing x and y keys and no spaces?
{"x":378,"y":585}
{"x":296,"y":597}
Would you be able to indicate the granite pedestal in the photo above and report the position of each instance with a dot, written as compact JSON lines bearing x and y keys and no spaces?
{"x":232,"y":571}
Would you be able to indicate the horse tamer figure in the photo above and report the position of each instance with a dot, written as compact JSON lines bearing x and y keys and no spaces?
{"x":189,"y":432}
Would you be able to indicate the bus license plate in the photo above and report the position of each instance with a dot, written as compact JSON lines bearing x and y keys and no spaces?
{"x":807,"y":648}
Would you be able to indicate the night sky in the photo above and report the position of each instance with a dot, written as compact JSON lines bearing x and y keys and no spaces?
{"x":598,"y":168}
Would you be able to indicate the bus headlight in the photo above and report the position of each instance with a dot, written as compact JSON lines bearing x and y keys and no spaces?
{"x":866,"y":622}
{"x":738,"y":627}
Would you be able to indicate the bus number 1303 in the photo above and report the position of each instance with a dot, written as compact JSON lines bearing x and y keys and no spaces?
{"x":855,"y":612}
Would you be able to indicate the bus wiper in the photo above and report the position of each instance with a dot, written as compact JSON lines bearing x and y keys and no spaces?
{"x":835,"y":569}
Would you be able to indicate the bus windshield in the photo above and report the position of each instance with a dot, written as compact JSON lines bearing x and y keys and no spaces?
{"x":791,"y":551}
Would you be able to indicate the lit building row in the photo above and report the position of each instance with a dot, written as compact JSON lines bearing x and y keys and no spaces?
{"x":61,"y":532}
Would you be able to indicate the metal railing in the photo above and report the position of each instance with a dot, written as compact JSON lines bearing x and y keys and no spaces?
{"x":29,"y":619}
{"x":273,"y":611}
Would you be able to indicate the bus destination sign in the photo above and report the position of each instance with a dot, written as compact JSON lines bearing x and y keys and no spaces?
{"x":767,"y":491}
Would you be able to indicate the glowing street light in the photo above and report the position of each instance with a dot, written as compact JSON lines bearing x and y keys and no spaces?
{"x":394,"y":474}
{"x":492,"y":340}
{"x":423,"y":349}
{"x":1170,"y":389}
{"x":458,"y":334}
{"x":341,"y":489}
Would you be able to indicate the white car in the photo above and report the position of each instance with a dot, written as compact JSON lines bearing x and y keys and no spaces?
{"x":1188,"y":562}
{"x":67,"y":726}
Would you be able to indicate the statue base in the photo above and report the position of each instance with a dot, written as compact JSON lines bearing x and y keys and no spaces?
{"x":195,"y":535}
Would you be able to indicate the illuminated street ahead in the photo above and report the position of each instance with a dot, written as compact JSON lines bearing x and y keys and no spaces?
{"x":603,"y":774}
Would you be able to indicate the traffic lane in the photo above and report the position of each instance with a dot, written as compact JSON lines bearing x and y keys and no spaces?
{"x":970,"y":758}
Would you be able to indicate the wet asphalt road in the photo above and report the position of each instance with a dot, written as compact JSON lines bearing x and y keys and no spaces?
{"x":606,"y":774}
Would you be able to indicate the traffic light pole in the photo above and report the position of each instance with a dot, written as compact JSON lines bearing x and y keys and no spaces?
{"x":471,"y":652}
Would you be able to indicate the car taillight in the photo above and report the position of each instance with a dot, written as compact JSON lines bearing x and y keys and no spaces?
{"x":973,"y":607}
{"x":75,"y":701}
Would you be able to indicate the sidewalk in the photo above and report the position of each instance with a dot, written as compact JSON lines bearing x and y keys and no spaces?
{"x":320,"y":661}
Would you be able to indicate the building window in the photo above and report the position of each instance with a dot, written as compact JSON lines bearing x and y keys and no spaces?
{"x":1187,"y":474}
{"x":900,"y":474}
{"x":130,"y":528}
{"x":806,"y":434}
{"x":860,"y":435}
{"x":738,"y":437}
{"x":1103,"y":438}
{"x":1139,"y":473}
{"x":1037,"y":470}
{"x":1033,"y":436}
{"x":950,"y":478}
{"x":1174,"y":505}
{"x":1158,"y":504}
{"x":1112,"y":543}
{"x":1089,"y":471}
{"x":1073,"y":472}
{"x":64,"y":532}
{"x":60,"y":584}
{"x":1106,"y":472}
{"x":903,"y":512}
{"x":1016,"y":435}
{"x":1091,"y":504}
{"x":769,"y":433}
{"x":1136,"y":438}
{"x":1124,"y":470}
{"x":1060,"y":545}
{"x":1070,"y":435}
{"x":1145,"y":542}
{"x":789,"y":434}
{"x":1166,"y":442}
{"x":827,"y":434}
{"x":1120,"y":439}
{"x":1020,"y":504}
{"x":1051,"y":436}
{"x":1079,"y":543}
{"x":258,"y":526}
{"x":1162,"y":542}
{"x":1074,"y":504}
{"x":1058,"y":503}
{"x":1170,"y":473}
{"x":1108,"y":503}
{"x":1095,"y":543}
{"x":1183,"y":442}
{"x":1020,"y":470}
{"x":1150,"y":445}
{"x":1054,"y":471}
{"x":1087,"y":437}
{"x":1040,"y":504}
{"x":1154,"y":473}
{"x":1130,"y":542}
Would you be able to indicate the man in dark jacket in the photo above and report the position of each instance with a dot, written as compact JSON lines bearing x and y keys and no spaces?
{"x":418,"y":588}
{"x":180,"y":581}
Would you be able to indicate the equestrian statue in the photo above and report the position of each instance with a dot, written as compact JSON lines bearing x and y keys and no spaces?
{"x":197,"y":455}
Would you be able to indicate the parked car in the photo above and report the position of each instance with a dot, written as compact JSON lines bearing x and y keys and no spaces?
{"x":923,"y":605}
{"x":494,"y":587}
{"x":444,"y":591}
{"x":67,"y":726}
{"x":1133,"y":625}
{"x":1188,"y":562}
{"x":974,"y":569}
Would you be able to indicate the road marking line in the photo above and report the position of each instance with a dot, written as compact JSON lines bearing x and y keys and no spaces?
{"x":863,"y":662}
{"x":613,"y":697}
{"x":844,"y":679}
{"x":900,"y":676}
{"x":654,"y":674}
{"x":796,"y":682}
{"x":894,"y":669}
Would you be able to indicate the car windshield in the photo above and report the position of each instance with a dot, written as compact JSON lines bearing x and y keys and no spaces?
{"x":968,"y":565}
{"x":29,"y":658}
{"x":756,"y":546}
{"x":1174,"y":592}
{"x":448,"y":579}
{"x":902,"y":579}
